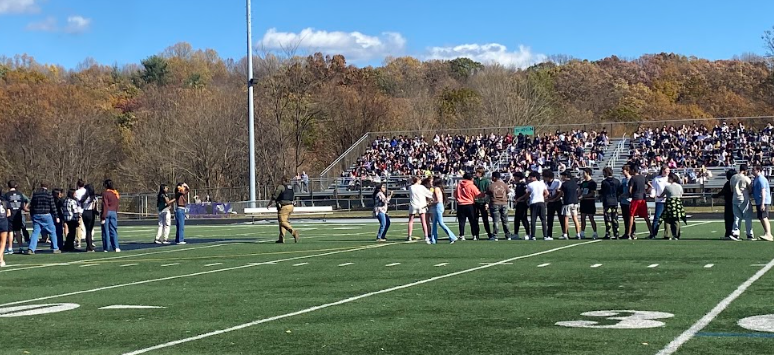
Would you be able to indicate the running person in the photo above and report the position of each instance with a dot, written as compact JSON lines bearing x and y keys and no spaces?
{"x":588,"y":200}
{"x":609,"y":192}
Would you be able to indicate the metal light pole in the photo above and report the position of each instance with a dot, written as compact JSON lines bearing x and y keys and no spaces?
{"x":250,"y":112}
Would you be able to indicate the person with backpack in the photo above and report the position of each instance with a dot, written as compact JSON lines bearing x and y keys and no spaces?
{"x":498,"y":192}
{"x":283,"y":198}
{"x":163,"y":205}
{"x":609,"y":192}
{"x":381,"y":202}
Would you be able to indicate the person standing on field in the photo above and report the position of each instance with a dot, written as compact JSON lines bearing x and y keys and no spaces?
{"x":659,"y":183}
{"x":109,"y":217}
{"x":17,"y":204}
{"x":762,"y":195}
{"x":466,"y":194}
{"x":89,"y":216}
{"x":609,"y":192}
{"x":553,"y":202}
{"x":568,"y":193}
{"x":439,"y":198}
{"x":284,"y":197}
{"x":381,"y":205}
{"x":728,"y":209}
{"x":418,"y":197}
{"x":71,"y":213}
{"x":741,"y":185}
{"x":181,"y":199}
{"x":538,"y":192}
{"x":80,"y":196}
{"x":638,"y":189}
{"x":498,"y":192}
{"x":588,"y":203}
{"x":482,"y":202}
{"x":164,"y":206}
{"x":5,"y":227}
{"x":521,"y":198}
{"x":44,"y":214}
{"x":625,"y":200}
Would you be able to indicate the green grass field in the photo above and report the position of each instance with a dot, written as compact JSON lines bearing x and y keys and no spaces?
{"x":231,"y":290}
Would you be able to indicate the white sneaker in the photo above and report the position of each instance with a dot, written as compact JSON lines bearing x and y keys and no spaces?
{"x":118,"y":250}
{"x":427,"y":240}
{"x":475,"y":237}
{"x":548,"y":238}
{"x":564,"y":237}
{"x":733,"y":237}
{"x":767,"y":237}
{"x":166,"y":242}
{"x":2,"y":263}
{"x":182,"y":243}
{"x":157,"y":241}
{"x":462,"y":237}
{"x":579,"y":236}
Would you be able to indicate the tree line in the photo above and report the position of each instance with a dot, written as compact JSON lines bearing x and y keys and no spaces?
{"x":181,"y":115}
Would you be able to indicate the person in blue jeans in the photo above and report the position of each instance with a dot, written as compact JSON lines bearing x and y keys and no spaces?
{"x":659,"y":183}
{"x":43,"y":211}
{"x":381,"y":202}
{"x":110,"y":201}
{"x":438,"y":208}
{"x":181,"y":198}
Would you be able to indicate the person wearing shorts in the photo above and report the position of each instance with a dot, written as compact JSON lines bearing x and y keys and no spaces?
{"x":5,"y":212}
{"x":18,"y":203}
{"x":762,"y":196}
{"x":568,"y":193}
{"x":418,"y":198}
{"x":638,"y":207}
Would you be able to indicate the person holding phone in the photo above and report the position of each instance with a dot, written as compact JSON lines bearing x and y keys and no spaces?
{"x":381,"y":202}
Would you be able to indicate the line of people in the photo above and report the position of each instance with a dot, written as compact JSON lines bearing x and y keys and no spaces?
{"x":61,"y":221}
{"x":544,"y":198}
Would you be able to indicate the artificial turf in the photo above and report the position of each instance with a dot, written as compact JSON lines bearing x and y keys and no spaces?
{"x":439,"y":299}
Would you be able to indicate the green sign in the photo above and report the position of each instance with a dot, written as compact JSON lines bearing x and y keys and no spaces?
{"x":525,"y":130}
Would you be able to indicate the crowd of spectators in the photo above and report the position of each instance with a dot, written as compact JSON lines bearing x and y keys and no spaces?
{"x":453,"y":155}
{"x":695,"y":148}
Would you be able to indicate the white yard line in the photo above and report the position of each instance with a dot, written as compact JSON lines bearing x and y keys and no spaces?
{"x":709,"y":266}
{"x":127,"y":255}
{"x":441,"y":264}
{"x":652,"y":266}
{"x":544,"y":265}
{"x":125,"y":265}
{"x":142,"y":282}
{"x":683,"y":338}
{"x":348,"y":300}
{"x":346,"y":264}
{"x":595,"y":266}
{"x":392,"y":264}
{"x":89,"y":265}
{"x":165,"y":265}
{"x":213,"y":264}
{"x":300,"y":264}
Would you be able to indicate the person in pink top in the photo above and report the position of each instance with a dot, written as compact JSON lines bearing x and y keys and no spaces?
{"x":466,"y":194}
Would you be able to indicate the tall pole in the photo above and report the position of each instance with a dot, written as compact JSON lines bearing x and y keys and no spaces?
{"x":250,"y":112}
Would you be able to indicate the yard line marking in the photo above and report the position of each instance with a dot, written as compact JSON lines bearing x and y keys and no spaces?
{"x":441,"y":264}
{"x":128,"y":255}
{"x":346,"y":264}
{"x":544,"y":265}
{"x":672,"y":347}
{"x":125,"y":265}
{"x":651,"y":266}
{"x":142,"y":282}
{"x":350,"y":299}
{"x":165,"y":265}
{"x":759,"y":265}
{"x":213,"y":264}
{"x":89,"y":265}
{"x":500,"y":264}
{"x":124,"y":306}
{"x":393,"y":264}
{"x":596,"y":265}
{"x":708,"y":266}
{"x":300,"y":264}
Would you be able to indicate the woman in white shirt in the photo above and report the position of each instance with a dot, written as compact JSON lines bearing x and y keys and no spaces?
{"x":418,"y":195}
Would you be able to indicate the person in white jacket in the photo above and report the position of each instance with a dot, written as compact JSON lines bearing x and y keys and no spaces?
{"x":419,"y":196}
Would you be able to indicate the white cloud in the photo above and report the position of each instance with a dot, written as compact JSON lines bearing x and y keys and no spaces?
{"x":46,"y":25}
{"x":77,"y":24}
{"x":488,"y":54}
{"x":18,"y":6}
{"x":355,"y":46}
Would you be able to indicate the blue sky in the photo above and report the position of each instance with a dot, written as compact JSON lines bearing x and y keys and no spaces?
{"x":514,"y":33}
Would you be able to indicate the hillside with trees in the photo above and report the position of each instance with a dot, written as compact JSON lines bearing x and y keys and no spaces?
{"x":182,"y":114}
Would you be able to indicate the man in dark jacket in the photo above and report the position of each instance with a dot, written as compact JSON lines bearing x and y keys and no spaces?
{"x":44,"y":213}
{"x":482,"y":202}
{"x":609,"y":192}
{"x":284,"y":196}
{"x":728,"y":212}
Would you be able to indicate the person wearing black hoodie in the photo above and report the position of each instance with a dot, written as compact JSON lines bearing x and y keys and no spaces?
{"x":728,"y":212}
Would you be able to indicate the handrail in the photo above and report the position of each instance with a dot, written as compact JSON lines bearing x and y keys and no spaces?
{"x":343,"y":155}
